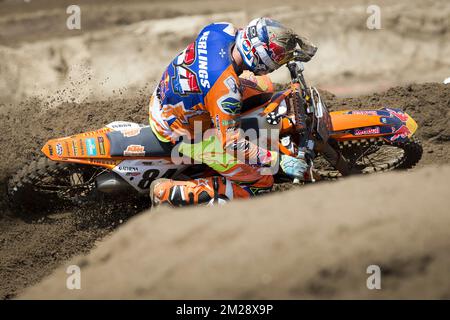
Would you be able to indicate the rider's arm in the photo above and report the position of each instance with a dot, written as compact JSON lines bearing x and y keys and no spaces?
{"x":223,"y":103}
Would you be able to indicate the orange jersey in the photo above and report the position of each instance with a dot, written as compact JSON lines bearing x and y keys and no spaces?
{"x":201,"y":88}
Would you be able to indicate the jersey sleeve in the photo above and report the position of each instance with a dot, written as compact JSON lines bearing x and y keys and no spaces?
{"x":224,"y":102}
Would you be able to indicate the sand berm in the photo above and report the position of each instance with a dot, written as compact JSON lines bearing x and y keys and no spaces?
{"x":313,"y":242}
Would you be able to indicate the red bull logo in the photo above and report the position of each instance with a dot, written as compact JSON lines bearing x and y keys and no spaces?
{"x":278,"y":53}
{"x":399,"y":115}
{"x":403,"y":132}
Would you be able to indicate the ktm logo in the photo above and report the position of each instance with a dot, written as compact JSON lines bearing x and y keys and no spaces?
{"x":134,"y":150}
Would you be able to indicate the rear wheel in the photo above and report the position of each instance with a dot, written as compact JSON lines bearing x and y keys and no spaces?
{"x":45,"y":185}
{"x":374,"y":156}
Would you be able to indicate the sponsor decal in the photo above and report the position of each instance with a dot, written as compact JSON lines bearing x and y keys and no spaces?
{"x":231,"y":106}
{"x":230,"y":103}
{"x":252,"y":32}
{"x":155,"y":162}
{"x":164,"y":85}
{"x":132,"y":174}
{"x":232,"y":129}
{"x":398,"y":114}
{"x":91,"y":148}
{"x":104,"y":161}
{"x":185,"y":81}
{"x":67,"y":148}
{"x":403,"y":132}
{"x":95,"y":133}
{"x":81,"y":146}
{"x":364,"y":112}
{"x":59,"y":149}
{"x":121,"y":125}
{"x":359,"y":132}
{"x":101,"y":145}
{"x":383,"y":120}
{"x":131,"y":132}
{"x":50,"y":150}
{"x":203,"y":60}
{"x":277,"y":52}
{"x":218,"y":123}
{"x":74,"y":148}
{"x":134,"y":150}
{"x":231,"y":122}
{"x":247,"y":48}
{"x":230,"y":82}
{"x":128,"y":169}
{"x":257,"y":191}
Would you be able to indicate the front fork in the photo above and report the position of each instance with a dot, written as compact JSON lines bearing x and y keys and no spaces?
{"x":333,"y":157}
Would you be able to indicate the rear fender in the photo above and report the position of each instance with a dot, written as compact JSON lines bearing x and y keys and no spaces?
{"x":91,"y":148}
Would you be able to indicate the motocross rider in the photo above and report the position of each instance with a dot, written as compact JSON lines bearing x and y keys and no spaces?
{"x":201,"y":85}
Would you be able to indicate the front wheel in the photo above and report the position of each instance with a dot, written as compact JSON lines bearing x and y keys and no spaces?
{"x":45,"y":185}
{"x":367,"y":156}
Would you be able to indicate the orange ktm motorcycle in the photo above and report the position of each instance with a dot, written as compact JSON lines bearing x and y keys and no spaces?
{"x":123,"y":158}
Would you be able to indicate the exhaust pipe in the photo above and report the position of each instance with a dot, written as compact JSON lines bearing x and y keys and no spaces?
{"x":111,"y":182}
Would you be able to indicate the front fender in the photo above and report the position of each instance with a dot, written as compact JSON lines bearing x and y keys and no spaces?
{"x":390,"y":124}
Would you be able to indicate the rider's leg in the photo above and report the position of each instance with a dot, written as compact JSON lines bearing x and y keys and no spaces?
{"x":209,"y":190}
{"x":236,"y":181}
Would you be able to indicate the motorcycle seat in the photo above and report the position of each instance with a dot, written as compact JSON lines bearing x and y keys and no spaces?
{"x":153,"y":147}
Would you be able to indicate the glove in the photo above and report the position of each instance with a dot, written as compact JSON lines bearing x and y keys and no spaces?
{"x":293,"y":167}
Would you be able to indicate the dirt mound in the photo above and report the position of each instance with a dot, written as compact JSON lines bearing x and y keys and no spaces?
{"x":31,"y":246}
{"x":319,"y":245}
{"x":86,"y":78}
{"x":30,"y":250}
{"x":38,"y":121}
{"x":120,"y":48}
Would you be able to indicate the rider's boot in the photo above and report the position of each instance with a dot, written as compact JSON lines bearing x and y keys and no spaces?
{"x":209,"y":191}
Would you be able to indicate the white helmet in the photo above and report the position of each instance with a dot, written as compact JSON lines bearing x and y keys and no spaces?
{"x":265,"y":45}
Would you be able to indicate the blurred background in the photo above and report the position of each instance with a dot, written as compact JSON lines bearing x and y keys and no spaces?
{"x":124,"y":48}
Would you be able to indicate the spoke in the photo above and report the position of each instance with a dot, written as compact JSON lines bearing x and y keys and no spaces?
{"x":367,"y":159}
{"x":71,"y":185}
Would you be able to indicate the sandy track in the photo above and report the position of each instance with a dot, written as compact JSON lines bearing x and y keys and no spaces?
{"x":317,"y":244}
{"x":88,"y":68}
{"x":412,"y":46}
{"x":30,"y":248}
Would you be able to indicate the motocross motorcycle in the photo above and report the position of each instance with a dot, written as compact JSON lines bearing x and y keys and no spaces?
{"x":125,"y":157}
